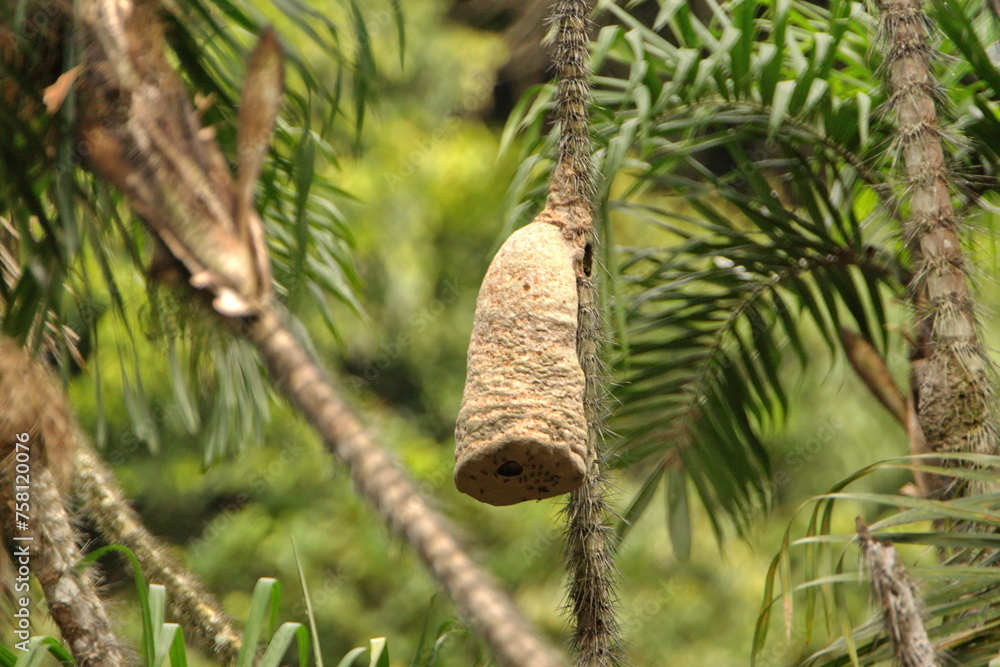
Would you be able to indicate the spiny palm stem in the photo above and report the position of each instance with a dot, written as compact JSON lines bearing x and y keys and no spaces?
{"x":54,"y":557}
{"x":36,"y":450}
{"x":902,"y":612}
{"x":593,"y":577}
{"x":950,"y":380}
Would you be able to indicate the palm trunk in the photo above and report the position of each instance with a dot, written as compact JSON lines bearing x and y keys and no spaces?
{"x":951,"y":388}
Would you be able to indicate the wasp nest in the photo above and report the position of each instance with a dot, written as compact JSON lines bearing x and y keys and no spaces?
{"x":521,"y":432}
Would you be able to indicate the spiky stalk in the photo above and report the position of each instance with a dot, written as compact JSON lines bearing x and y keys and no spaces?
{"x":590,"y":540}
{"x":593,"y":577}
{"x":54,"y":558}
{"x":573,"y":176}
{"x":950,"y":380}
{"x":35,"y":403}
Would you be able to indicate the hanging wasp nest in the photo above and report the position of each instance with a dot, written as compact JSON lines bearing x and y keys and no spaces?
{"x":521,"y":432}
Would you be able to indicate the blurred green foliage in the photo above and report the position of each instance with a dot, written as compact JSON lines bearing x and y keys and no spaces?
{"x":427,"y":191}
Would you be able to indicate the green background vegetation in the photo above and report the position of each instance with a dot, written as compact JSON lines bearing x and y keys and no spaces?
{"x":424,"y":196}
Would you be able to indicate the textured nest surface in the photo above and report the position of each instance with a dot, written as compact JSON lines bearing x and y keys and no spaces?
{"x":521,"y":431}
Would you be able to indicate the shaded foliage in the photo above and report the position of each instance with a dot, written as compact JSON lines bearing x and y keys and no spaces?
{"x":64,"y":229}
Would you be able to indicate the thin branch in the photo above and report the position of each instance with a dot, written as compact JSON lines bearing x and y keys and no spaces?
{"x":199,"y":613}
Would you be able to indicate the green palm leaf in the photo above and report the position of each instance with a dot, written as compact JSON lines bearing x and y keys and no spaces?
{"x":742,"y":152}
{"x":960,"y":599}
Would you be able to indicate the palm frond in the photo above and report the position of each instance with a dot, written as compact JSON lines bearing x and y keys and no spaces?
{"x":710,"y":320}
{"x":742,"y":149}
{"x":956,"y":565}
